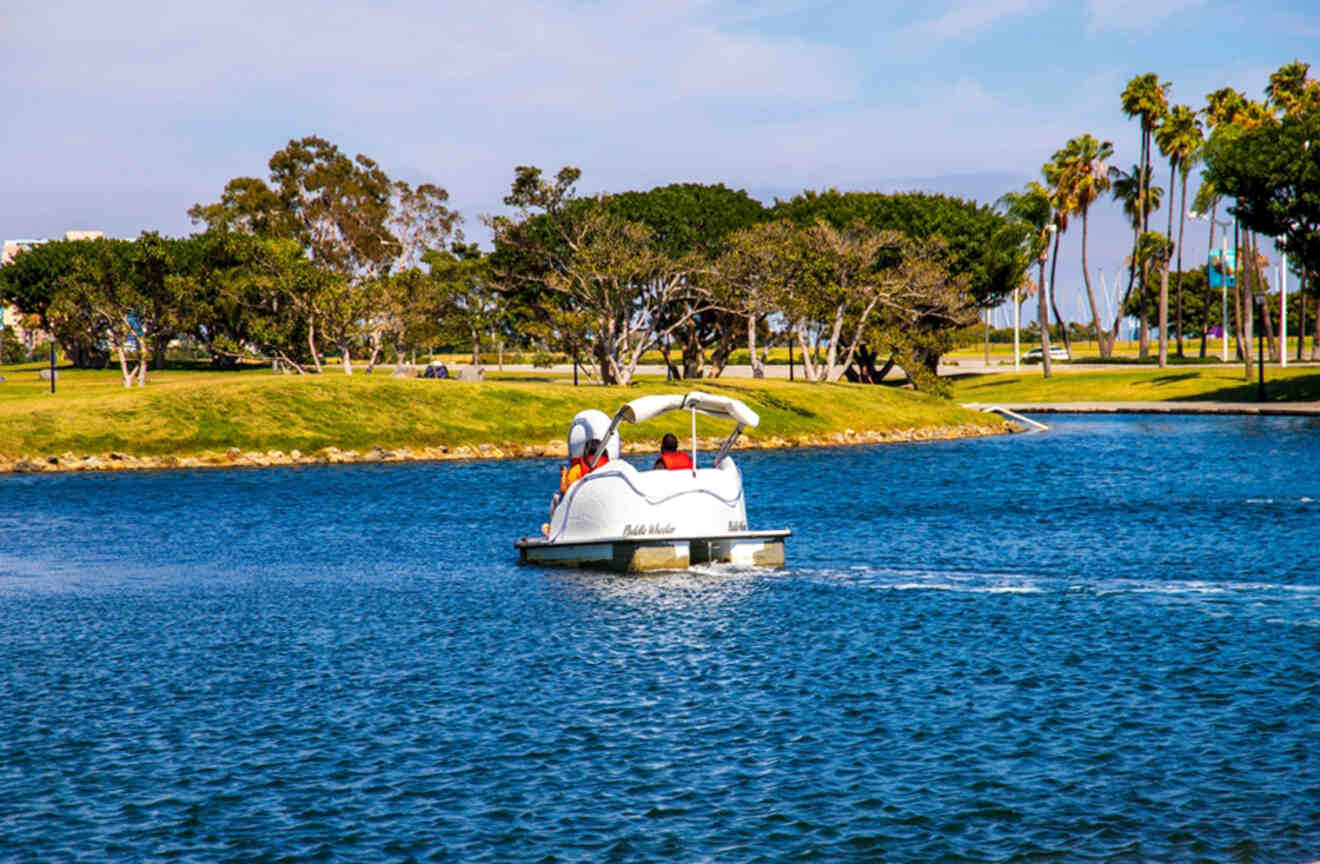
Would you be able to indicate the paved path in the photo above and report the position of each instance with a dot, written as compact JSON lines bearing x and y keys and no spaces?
{"x":1311,"y":409}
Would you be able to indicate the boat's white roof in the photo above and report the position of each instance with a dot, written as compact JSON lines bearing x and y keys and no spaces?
{"x":646,"y":407}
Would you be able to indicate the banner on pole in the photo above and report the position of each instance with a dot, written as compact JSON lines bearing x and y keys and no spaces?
{"x":1222,"y":268}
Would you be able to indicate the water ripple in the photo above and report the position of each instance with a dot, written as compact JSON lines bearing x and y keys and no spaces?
{"x":969,"y":659}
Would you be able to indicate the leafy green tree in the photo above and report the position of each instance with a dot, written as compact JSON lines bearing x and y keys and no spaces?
{"x":465,"y":299}
{"x":601,"y":284}
{"x":979,"y":248}
{"x":1272,"y":171}
{"x":761,"y":264}
{"x":352,"y":223}
{"x":32,"y":281}
{"x":690,"y":219}
{"x":102,"y":295}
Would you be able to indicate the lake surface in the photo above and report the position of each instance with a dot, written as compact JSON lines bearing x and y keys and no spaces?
{"x":1099,"y":643}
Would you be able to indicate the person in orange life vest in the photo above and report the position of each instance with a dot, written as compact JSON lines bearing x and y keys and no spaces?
{"x":670,"y":456}
{"x":581,"y":466}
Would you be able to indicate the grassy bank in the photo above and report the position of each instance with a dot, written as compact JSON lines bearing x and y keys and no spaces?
{"x":200,"y":414}
{"x":1219,"y":384}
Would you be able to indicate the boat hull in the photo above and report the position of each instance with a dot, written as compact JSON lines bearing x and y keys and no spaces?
{"x":641,"y":555}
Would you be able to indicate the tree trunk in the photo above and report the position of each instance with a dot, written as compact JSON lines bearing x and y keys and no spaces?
{"x":476,"y":347}
{"x":1182,"y":224}
{"x":1301,"y":313}
{"x":1164,"y":314}
{"x":1063,"y":327}
{"x":345,"y":353}
{"x":1315,"y":337}
{"x":692,"y":359}
{"x":123,"y":364}
{"x":758,"y":370}
{"x":889,"y":364}
{"x":1043,"y":319}
{"x":377,"y":346}
{"x":311,"y":344}
{"x":810,"y":368}
{"x":1143,"y":338}
{"x":1132,"y":279}
{"x":1242,"y":324}
{"x":1090,"y":295}
{"x":1164,"y":275}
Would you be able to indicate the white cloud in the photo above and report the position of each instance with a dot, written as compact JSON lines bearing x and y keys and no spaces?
{"x":967,"y":19}
{"x":1134,"y":16}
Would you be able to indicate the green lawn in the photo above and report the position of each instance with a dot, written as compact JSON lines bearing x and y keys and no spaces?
{"x":185,"y":413}
{"x":1220,"y":384}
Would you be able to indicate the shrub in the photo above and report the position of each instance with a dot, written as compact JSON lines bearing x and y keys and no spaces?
{"x":11,"y":349}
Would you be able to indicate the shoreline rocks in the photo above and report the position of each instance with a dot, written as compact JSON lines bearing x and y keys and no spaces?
{"x":233,"y":457}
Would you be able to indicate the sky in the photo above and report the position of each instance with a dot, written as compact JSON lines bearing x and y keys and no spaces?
{"x":119,"y":117}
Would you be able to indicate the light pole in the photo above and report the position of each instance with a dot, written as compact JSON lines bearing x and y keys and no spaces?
{"x":1223,"y":275}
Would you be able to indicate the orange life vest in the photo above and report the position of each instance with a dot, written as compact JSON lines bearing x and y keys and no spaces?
{"x":676,"y":460}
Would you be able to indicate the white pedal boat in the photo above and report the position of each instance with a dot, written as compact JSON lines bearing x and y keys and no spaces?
{"x":620,"y":518}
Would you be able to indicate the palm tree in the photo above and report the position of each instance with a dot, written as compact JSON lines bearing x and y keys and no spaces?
{"x":1085,"y":174}
{"x":1179,"y":138}
{"x":1127,"y":187}
{"x":1033,"y":207}
{"x":1291,"y":90}
{"x":1145,"y":98}
{"x":1223,"y":107}
{"x":1062,"y":205}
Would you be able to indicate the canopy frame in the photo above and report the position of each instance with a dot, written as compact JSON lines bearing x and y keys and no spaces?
{"x":647,"y":407}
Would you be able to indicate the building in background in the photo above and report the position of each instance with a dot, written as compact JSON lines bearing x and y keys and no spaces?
{"x":11,"y":318}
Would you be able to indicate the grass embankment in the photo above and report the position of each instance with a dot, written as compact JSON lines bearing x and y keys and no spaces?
{"x":1217,"y":384}
{"x":206,"y":415}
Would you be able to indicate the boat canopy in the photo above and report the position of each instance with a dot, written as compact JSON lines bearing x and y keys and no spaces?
{"x":646,"y":407}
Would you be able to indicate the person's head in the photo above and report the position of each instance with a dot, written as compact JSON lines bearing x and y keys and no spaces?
{"x":669,"y":443}
{"x":592,"y":447}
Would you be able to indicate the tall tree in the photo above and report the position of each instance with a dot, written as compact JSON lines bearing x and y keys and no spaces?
{"x":1179,"y":139}
{"x":694,"y":219}
{"x":1127,"y":187}
{"x":350,"y":220}
{"x":760,"y":264}
{"x":1083,"y":174}
{"x":977,"y":242}
{"x":1273,"y":174}
{"x":1032,"y":207}
{"x":1062,"y":206}
{"x":1294,"y":92}
{"x":1146,"y":99}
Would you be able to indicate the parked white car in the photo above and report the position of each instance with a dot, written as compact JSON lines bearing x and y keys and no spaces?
{"x":1056,"y":353}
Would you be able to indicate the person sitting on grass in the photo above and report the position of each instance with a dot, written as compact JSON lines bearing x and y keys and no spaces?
{"x":582,"y":465}
{"x":671,"y":457}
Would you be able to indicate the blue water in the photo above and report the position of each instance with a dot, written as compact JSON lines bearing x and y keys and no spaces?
{"x":1100,"y":643}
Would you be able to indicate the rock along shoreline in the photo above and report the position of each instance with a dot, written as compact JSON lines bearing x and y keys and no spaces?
{"x":236,"y":458}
